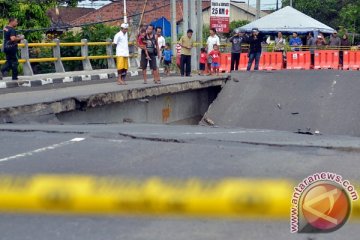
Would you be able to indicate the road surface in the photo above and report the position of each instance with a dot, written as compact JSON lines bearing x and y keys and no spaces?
{"x":142,"y":151}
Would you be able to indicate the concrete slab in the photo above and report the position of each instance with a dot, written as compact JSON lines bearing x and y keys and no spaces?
{"x":307,"y":101}
{"x":43,"y":79}
{"x":22,"y":106}
{"x":65,"y":77}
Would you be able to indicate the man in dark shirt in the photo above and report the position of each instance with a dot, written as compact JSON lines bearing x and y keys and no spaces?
{"x":254,"y":40}
{"x":10,"y":47}
{"x":153,"y":50}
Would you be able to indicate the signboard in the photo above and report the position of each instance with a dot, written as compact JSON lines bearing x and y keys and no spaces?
{"x":220,"y":15}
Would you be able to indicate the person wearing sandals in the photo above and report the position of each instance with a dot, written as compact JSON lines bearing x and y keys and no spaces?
{"x":122,"y":53}
{"x":153,"y":50}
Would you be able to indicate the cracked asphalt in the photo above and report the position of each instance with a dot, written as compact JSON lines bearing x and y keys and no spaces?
{"x":141,"y":151}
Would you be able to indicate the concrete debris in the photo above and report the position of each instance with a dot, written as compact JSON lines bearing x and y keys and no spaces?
{"x":209,"y":121}
{"x":128,"y":120}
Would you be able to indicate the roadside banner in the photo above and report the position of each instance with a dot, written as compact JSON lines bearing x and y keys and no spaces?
{"x":220,"y":15}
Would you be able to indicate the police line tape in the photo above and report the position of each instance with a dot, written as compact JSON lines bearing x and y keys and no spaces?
{"x":72,"y":194}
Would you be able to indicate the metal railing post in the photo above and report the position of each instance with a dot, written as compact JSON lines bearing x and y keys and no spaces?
{"x":85,"y":53}
{"x":110,"y":52}
{"x":57,"y":54}
{"x":25,"y":55}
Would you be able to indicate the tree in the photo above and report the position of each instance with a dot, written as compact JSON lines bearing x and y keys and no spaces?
{"x":350,"y":17}
{"x":30,"y":14}
{"x":334,"y":13}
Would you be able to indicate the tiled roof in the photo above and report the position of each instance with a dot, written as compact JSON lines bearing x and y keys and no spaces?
{"x":69,"y":14}
{"x":154,"y":9}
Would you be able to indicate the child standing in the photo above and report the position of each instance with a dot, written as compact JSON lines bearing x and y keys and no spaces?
{"x":167,"y":55}
{"x":215,"y":55}
{"x":203,"y":60}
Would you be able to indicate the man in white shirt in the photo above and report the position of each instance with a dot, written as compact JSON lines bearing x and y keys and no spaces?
{"x":161,"y":43}
{"x":211,"y":41}
{"x":122,"y":53}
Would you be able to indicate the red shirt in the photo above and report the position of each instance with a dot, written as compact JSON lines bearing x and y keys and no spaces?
{"x":215,"y":54}
{"x":140,"y":41}
{"x":203,"y":58}
{"x":178,"y":49}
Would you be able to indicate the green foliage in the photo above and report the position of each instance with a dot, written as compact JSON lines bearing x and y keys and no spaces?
{"x":71,"y":51}
{"x":334,"y":13}
{"x":234,"y":25}
{"x":350,"y":17}
{"x":45,"y":67}
{"x":94,"y":33}
{"x":30,"y":14}
{"x":237,"y":24}
{"x":206,"y":32}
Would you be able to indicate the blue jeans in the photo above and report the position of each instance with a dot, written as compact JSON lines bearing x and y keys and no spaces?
{"x":252,"y":57}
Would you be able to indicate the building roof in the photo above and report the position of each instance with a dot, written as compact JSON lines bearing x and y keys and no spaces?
{"x":154,"y":9}
{"x":68,"y":14}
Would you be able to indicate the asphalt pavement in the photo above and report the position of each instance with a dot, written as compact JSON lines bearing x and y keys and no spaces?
{"x":141,"y":151}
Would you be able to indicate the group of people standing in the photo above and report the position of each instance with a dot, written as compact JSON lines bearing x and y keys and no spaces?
{"x":153,"y":49}
{"x":210,"y":55}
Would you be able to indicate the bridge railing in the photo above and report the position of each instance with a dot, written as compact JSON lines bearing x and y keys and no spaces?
{"x":58,"y":60}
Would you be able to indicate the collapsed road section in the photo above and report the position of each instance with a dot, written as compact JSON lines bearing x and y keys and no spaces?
{"x":311,"y":102}
{"x":177,"y":100}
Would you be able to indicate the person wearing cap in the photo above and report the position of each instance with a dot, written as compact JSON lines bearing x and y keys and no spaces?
{"x":335,"y":41}
{"x":236,"y":41}
{"x":254,"y":40}
{"x":122,"y":53}
{"x":320,"y":41}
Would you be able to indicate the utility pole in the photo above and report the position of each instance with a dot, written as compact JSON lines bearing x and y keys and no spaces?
{"x":257,"y":9}
{"x":291,"y":3}
{"x":125,"y":16}
{"x":173,"y":25}
{"x":193,"y":25}
{"x":185,"y":16}
{"x":200,"y":23}
{"x":277,"y":5}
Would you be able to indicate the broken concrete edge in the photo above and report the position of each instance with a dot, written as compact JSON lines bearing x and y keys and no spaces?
{"x":46,"y":111}
{"x":57,"y":80}
{"x":66,"y":79}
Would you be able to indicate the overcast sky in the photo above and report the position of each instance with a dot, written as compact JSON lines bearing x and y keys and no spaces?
{"x":265,"y":4}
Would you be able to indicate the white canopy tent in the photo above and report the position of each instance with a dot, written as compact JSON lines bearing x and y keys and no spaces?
{"x":287,"y":20}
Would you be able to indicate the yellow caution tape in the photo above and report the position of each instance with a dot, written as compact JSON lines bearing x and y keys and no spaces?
{"x":112,"y":195}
